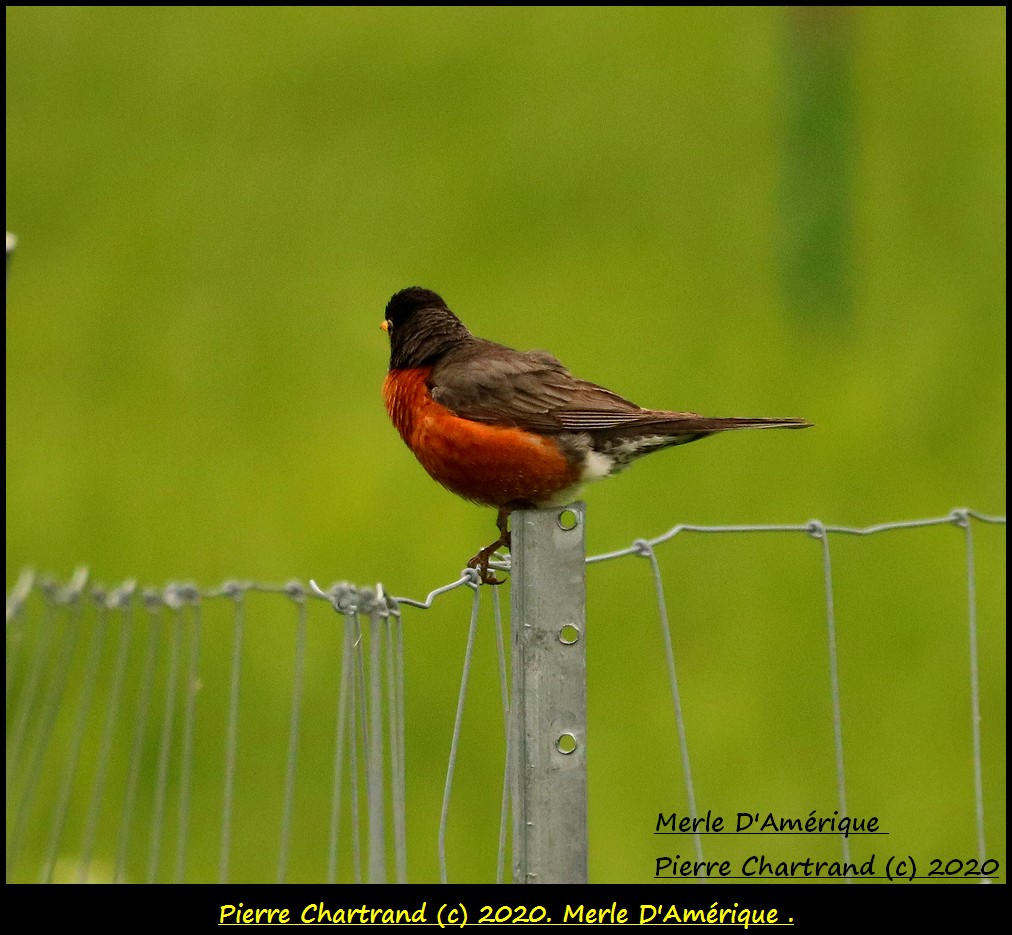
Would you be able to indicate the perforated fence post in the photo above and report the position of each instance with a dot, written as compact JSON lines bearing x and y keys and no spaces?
{"x":549,"y":699}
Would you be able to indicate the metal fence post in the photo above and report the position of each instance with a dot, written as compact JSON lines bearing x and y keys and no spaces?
{"x":549,"y":697}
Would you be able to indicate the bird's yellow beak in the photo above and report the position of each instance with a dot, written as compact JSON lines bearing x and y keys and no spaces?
{"x":385,"y":325}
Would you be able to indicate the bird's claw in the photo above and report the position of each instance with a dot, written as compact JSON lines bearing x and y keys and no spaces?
{"x":480,"y":563}
{"x":481,"y":560}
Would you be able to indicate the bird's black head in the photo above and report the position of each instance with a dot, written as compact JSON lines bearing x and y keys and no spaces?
{"x":405,"y":303}
{"x":421,"y":328}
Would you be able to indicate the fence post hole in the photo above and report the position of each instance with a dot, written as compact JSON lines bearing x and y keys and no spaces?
{"x":549,"y":696}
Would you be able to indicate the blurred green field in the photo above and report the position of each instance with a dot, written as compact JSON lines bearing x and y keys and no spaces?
{"x":732,"y":211}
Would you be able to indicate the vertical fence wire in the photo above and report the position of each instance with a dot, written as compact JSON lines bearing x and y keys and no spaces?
{"x":395,"y":713}
{"x":295,"y":592}
{"x":24,"y":703}
{"x":152,"y":606}
{"x":343,"y":705}
{"x":231,"y":737}
{"x":15,"y":613}
{"x":455,"y":740}
{"x":508,"y":777}
{"x":359,"y":741}
{"x":192,"y":688}
{"x":975,"y":716}
{"x":70,"y":599}
{"x":646,"y":550}
{"x":165,"y":746}
{"x":83,"y":709}
{"x":376,"y":802}
{"x":818,"y":531}
{"x":119,"y":599}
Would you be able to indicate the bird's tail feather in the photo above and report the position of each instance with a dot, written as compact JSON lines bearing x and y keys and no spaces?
{"x":721,"y":425}
{"x":688,"y":422}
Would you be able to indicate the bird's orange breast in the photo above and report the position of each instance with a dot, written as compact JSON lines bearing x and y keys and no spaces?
{"x":489,"y":464}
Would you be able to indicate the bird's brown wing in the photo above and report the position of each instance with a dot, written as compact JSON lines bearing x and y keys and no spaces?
{"x":497,"y":385}
{"x":532,"y":390}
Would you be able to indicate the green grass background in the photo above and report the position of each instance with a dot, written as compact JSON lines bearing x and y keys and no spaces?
{"x":734,"y":211}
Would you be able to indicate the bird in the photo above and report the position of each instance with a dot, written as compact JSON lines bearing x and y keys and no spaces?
{"x":515,"y":429}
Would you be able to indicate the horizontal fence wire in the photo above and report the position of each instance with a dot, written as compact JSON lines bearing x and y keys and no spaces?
{"x":368,"y":756}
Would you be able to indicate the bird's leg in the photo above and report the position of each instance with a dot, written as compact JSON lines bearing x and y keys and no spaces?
{"x":481,"y":560}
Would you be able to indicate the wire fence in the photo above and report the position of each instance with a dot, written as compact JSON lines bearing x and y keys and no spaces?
{"x":117,"y":702}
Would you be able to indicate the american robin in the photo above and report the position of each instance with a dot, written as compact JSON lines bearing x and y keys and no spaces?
{"x":514,"y":429}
